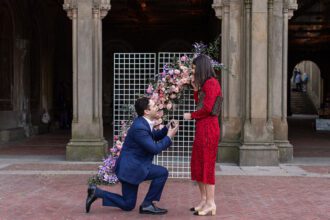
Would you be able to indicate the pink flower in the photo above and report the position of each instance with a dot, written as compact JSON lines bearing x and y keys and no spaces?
{"x":172,"y":96}
{"x":176,"y":71}
{"x":184,"y":58}
{"x":150,"y":89}
{"x":174,"y":106}
{"x":160,"y":113}
{"x":175,"y":89}
{"x":158,"y":121}
{"x":184,"y":68}
{"x":185,"y":74}
{"x":185,"y":81}
{"x":169,"y":106}
{"x":123,"y":137}
{"x":155,"y":97}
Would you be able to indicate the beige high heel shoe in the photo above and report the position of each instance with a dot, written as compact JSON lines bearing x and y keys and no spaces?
{"x":198,"y":208}
{"x":208,"y":211}
{"x":195,"y":209}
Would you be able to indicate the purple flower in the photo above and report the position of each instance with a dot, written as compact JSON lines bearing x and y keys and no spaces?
{"x":199,"y":47}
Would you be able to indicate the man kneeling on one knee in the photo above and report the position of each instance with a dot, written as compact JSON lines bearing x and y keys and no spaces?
{"x":134,"y":164}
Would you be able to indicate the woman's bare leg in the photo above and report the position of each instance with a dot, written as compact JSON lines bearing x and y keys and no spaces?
{"x":202,"y":191}
{"x":209,"y":206}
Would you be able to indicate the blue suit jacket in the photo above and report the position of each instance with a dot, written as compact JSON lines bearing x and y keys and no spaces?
{"x":139,"y":148}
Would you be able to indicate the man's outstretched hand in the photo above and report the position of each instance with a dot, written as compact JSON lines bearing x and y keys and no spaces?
{"x":172,"y":128}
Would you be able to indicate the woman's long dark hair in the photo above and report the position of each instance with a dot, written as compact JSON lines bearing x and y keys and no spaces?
{"x":203,"y":70}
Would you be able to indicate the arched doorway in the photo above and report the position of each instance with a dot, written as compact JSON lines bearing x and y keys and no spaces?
{"x":309,"y":46}
{"x":306,"y":88}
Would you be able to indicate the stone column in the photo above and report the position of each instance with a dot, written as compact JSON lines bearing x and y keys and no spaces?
{"x":254,"y":50}
{"x":283,"y":10}
{"x":230,"y":12}
{"x":258,"y":146}
{"x":87,"y":142}
{"x":21,"y":90}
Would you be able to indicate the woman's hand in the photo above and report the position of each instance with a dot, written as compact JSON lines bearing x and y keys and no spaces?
{"x":187,"y":116}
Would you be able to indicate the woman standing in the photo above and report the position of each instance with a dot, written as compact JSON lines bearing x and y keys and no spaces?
{"x":208,"y":96}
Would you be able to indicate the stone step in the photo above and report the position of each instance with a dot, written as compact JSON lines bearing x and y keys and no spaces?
{"x":12,"y":134}
{"x":301,"y":104}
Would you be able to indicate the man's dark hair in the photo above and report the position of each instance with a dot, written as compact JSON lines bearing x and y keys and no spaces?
{"x":141,"y":104}
{"x":203,"y":70}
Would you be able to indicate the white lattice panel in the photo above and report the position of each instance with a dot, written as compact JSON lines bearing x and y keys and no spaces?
{"x":177,"y":157}
{"x":132,"y":73}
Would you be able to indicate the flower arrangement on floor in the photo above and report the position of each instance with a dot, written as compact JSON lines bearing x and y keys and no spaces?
{"x":106,"y":172}
{"x":166,"y":92}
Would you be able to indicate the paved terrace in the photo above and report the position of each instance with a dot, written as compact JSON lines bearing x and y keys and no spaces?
{"x":37,"y":183}
{"x":46,"y":187}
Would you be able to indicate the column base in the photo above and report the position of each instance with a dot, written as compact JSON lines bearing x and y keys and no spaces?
{"x":228,"y":152}
{"x":258,"y":154}
{"x":285,"y":151}
{"x":87,"y":150}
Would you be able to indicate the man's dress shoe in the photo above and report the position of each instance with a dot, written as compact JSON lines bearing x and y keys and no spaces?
{"x":90,"y":197}
{"x":152,"y":209}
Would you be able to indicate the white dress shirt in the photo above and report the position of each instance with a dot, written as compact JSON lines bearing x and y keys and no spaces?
{"x":151,"y":123}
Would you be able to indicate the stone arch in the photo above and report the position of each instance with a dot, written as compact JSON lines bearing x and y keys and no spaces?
{"x":307,"y":56}
{"x":314,"y":86}
{"x":300,"y":58}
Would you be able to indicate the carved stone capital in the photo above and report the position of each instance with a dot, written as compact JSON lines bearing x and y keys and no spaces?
{"x":289,"y":7}
{"x":248,"y":2}
{"x":70,"y":6}
{"x":102,"y":7}
{"x":219,"y":7}
{"x":270,"y":3}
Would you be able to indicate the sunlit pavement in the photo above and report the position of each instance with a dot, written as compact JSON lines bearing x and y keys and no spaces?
{"x":37,"y":183}
{"x":47,"y":187}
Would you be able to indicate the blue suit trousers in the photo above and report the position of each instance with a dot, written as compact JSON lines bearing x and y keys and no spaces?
{"x":127,"y":201}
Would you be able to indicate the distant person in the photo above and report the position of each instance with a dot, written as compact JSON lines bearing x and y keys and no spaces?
{"x":304,"y":81}
{"x":45,"y":119}
{"x":298,"y":81}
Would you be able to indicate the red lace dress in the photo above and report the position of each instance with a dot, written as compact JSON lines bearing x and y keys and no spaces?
{"x":207,"y":134}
